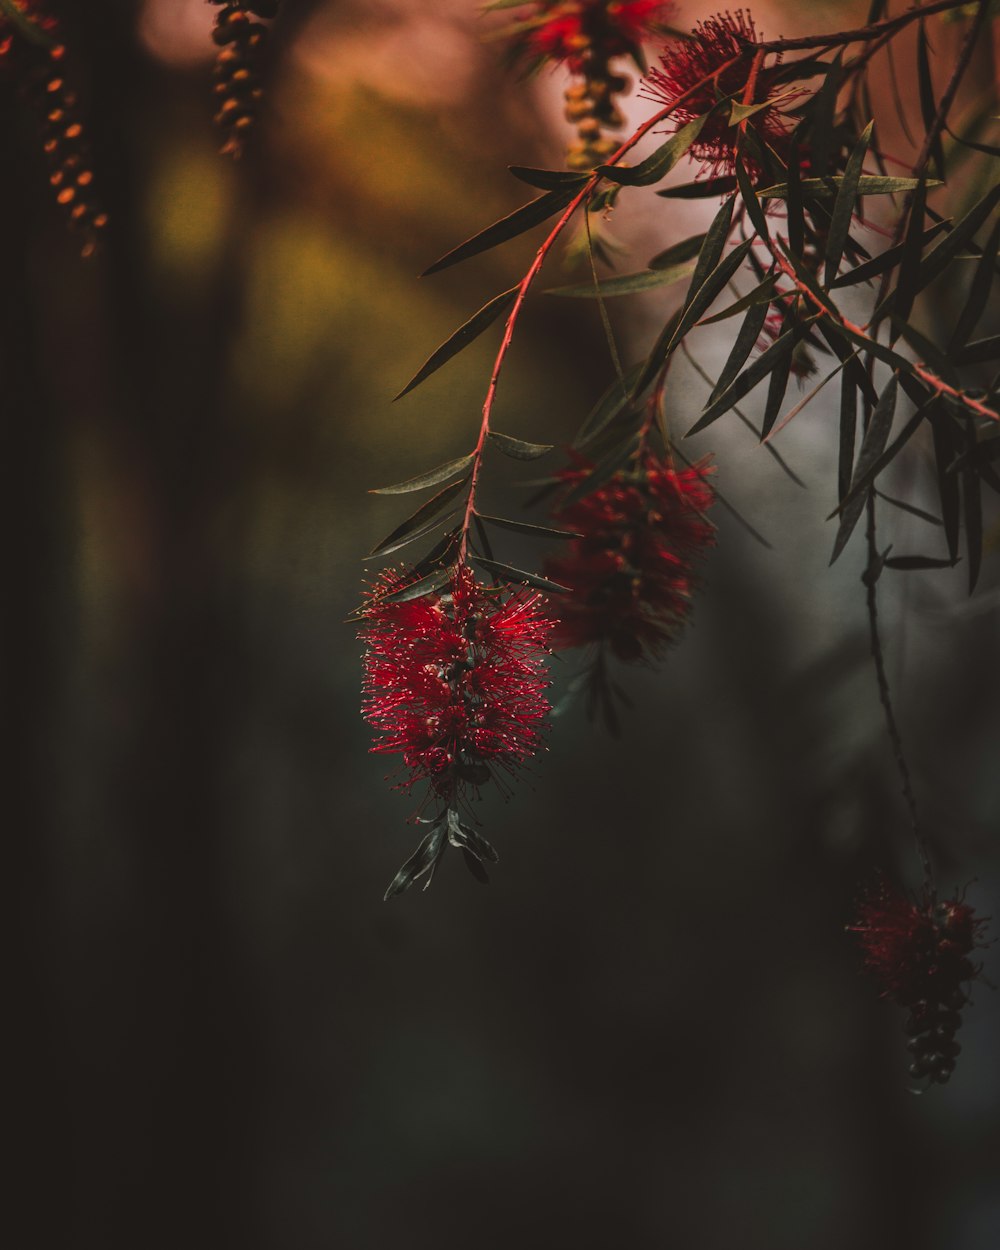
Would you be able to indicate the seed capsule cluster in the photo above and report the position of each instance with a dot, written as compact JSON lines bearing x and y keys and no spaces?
{"x":240,"y":36}
{"x":38,"y":74}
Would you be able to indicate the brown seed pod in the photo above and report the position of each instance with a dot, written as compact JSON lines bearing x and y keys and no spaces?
{"x":240,"y":37}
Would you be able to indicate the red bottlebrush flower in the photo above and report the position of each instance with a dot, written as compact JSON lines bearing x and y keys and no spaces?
{"x":703,"y":62}
{"x":455,"y":683}
{"x":241,"y":38}
{"x":572,"y":30}
{"x":631,"y":573}
{"x":918,"y":951}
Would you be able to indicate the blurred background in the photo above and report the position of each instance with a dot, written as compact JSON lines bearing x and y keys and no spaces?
{"x":650,"y":1030}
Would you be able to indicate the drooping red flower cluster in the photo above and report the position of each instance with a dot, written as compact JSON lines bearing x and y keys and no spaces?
{"x":918,"y":951}
{"x":241,"y":36}
{"x":631,"y":572}
{"x":714,"y":63}
{"x":455,"y":681}
{"x":568,"y":30}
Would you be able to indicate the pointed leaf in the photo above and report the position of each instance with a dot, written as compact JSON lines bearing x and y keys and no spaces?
{"x":828,"y":188}
{"x":979,"y":352}
{"x":872,"y":446}
{"x":518,"y":448}
{"x":423,"y":586}
{"x":433,"y":477}
{"x":776,"y":388}
{"x":549,"y":179}
{"x":928,"y":103}
{"x":918,"y":562}
{"x":746,"y":381}
{"x":885,"y":260}
{"x":387,"y":548}
{"x":910,"y":508}
{"x":687,"y":249}
{"x":979,"y":293}
{"x":463,"y":336}
{"x":509,"y":574}
{"x":417,"y":520}
{"x":763,"y":293}
{"x":746,"y":340}
{"x":509,"y":227}
{"x":749,"y":197}
{"x":843,"y":208}
{"x":848,"y":432}
{"x":659,"y":164}
{"x":421,"y":861}
{"x":710,"y":189}
{"x":626,"y":284}
{"x":522,"y":527}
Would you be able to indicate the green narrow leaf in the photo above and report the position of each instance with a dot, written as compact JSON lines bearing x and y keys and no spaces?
{"x":909,"y":261}
{"x":749,"y":197}
{"x":687,"y":249}
{"x":675,"y":329}
{"x":750,"y":332}
{"x":423,"y":860}
{"x":908,"y":563}
{"x":518,"y":448}
{"x":960,"y":235}
{"x":713,"y":247}
{"x":509,"y":227}
{"x":417,"y":520}
{"x":928,"y":104}
{"x":626,"y":284}
{"x":853,"y":367}
{"x":777,"y":386}
{"x":912,"y":509}
{"x":979,"y":293}
{"x":710,"y":189}
{"x":387,"y":548}
{"x":872,"y":446}
{"x":843,"y":208}
{"x":822,"y":113}
{"x":885,"y":260}
{"x":848,"y":432}
{"x":610,"y":404}
{"x":523,"y":527}
{"x":510,"y":574}
{"x":659,"y":164}
{"x":828,"y":188}
{"x":423,"y":586}
{"x":979,"y":352}
{"x":763,"y":293}
{"x":433,"y":477}
{"x":793,"y":200}
{"x":746,"y":381}
{"x":463,"y":336}
{"x":549,"y":179}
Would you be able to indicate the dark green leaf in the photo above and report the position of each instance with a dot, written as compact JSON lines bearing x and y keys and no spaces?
{"x":687,"y":249}
{"x":423,"y":586}
{"x":713,"y":247}
{"x":827,"y":188}
{"x":848,"y":431}
{"x":626,"y":284}
{"x":872,"y":446}
{"x":522,"y":527}
{"x":518,"y":448}
{"x":824,"y":107}
{"x":918,"y":562}
{"x":701,"y":300}
{"x":611,"y":403}
{"x":508,"y":227}
{"x":749,"y":197}
{"x":843,"y":208}
{"x":777,"y":386}
{"x":979,"y":352}
{"x":549,"y":179}
{"x":979,"y":293}
{"x":710,"y":189}
{"x":794,"y":200}
{"x":909,"y":261}
{"x":463,"y":336}
{"x":423,"y":860}
{"x":745,"y":383}
{"x":911,"y":508}
{"x":433,"y":477}
{"x":853,"y":368}
{"x":417,"y":520}
{"x":514,"y":576}
{"x":947,"y":443}
{"x":928,"y":104}
{"x":746,"y":340}
{"x":659,"y":164}
{"x":412,"y":536}
{"x":961,"y":234}
{"x":885,"y":260}
{"x":761,"y":294}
